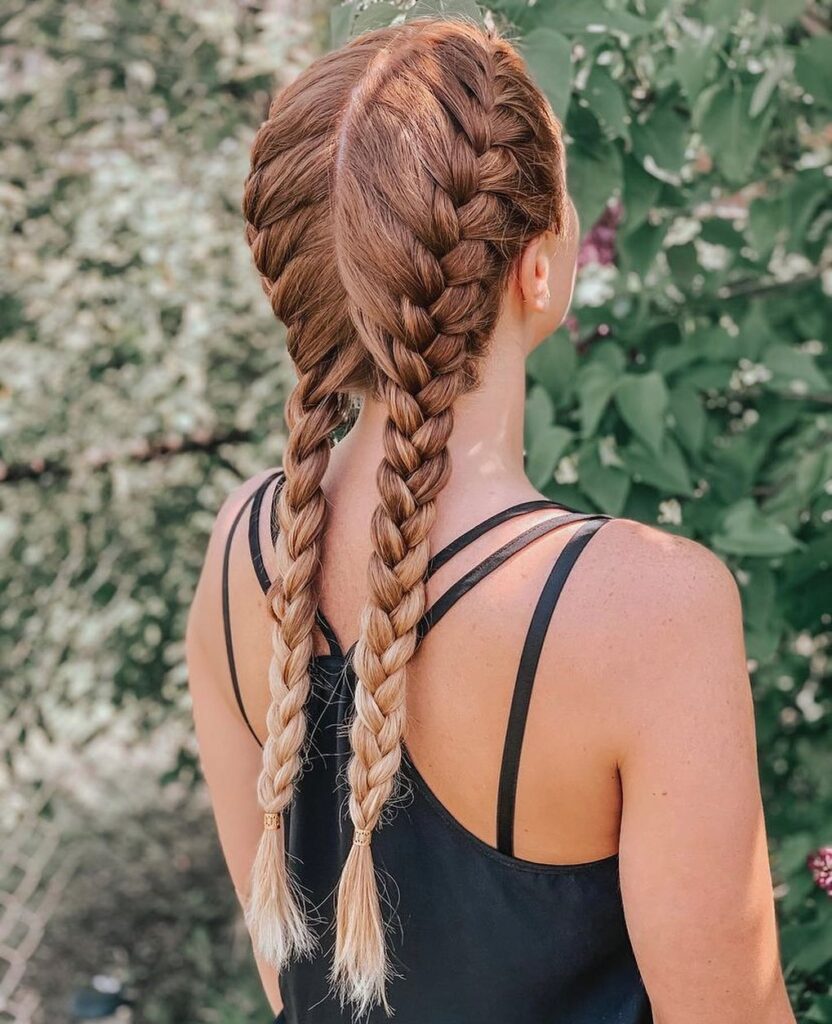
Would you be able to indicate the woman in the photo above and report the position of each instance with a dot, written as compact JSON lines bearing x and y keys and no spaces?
{"x":546,"y":809}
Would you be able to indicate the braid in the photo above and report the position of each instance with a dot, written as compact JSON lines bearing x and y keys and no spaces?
{"x":448,"y":161}
{"x":288,"y":229}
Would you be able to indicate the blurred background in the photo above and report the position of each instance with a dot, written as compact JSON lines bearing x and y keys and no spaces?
{"x":142,"y":377}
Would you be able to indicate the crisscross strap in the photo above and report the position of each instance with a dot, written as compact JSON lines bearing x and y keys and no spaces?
{"x":526,"y":671}
{"x":461,"y":587}
{"x":455,"y":546}
{"x":442,"y":605}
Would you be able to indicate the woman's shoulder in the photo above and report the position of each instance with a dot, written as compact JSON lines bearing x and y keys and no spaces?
{"x":665,"y":628}
{"x":226,"y":559}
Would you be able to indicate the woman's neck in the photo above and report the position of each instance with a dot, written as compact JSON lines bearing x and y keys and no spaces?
{"x":485,"y":446}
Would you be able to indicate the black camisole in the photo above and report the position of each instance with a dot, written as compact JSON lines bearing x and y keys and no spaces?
{"x":477,"y":934}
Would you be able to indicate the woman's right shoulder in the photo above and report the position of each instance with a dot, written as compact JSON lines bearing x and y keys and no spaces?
{"x":668,"y":611}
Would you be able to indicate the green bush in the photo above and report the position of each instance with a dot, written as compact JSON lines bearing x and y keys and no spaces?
{"x":143,"y":374}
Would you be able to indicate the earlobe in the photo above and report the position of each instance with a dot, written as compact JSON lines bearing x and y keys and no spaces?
{"x":542,"y":293}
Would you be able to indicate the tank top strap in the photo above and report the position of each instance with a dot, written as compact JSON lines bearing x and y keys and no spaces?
{"x":526,"y":672}
{"x":442,"y":605}
{"x":226,"y":611}
{"x":475,"y":532}
{"x":256,"y":550}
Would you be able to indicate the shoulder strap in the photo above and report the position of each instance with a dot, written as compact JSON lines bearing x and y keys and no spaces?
{"x":470,"y":579}
{"x":257,"y":552}
{"x":226,"y":612}
{"x":527,"y":668}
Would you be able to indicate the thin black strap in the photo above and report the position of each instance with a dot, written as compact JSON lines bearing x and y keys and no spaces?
{"x":442,"y":605}
{"x":462,"y":586}
{"x":257,"y":551}
{"x":455,"y":546}
{"x":254,"y":531}
{"x":510,"y":768}
{"x":226,"y":616}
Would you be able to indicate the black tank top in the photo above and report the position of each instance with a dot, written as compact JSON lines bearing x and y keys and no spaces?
{"x":484,"y":935}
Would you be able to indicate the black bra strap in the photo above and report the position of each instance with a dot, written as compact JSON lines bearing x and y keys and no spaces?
{"x":226,"y":614}
{"x":526,"y":670}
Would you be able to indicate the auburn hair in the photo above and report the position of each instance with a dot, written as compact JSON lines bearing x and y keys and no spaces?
{"x":392,"y":187}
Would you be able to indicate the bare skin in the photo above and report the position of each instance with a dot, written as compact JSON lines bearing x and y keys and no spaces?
{"x":641,"y":736}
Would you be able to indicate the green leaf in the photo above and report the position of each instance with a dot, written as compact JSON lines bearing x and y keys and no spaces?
{"x":746,"y":530}
{"x":689,"y":417}
{"x":693,"y":62}
{"x":606,"y":486}
{"x":549,"y":56}
{"x":340,"y":22}
{"x":539,"y":413}
{"x":642,"y":401}
{"x":781,"y":12}
{"x":766,"y":223}
{"x":638,"y":249}
{"x":780,"y":67}
{"x":722,"y":12}
{"x":710,"y":376}
{"x":374,"y":15}
{"x":794,"y":370}
{"x":553,"y":364}
{"x":804,"y":195}
{"x":815,"y":946}
{"x":446,"y":9}
{"x":684,"y":264}
{"x":733,"y":137}
{"x":575,"y":17}
{"x":821,"y":1011}
{"x":596,"y":384}
{"x":594,"y":176}
{"x":662,"y":137}
{"x":812,"y":64}
{"x":607,"y":102}
{"x":665,"y":470}
{"x":545,"y":452}
{"x":641,"y":190}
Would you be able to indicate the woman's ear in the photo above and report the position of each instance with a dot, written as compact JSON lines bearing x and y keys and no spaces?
{"x":534,"y":272}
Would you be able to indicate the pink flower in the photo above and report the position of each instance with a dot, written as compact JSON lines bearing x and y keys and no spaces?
{"x":820,"y":864}
{"x":598,"y":245}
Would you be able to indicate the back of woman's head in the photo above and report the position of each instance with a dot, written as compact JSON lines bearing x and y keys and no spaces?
{"x":393,"y":187}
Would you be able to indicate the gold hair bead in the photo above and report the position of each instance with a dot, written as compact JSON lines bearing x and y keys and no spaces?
{"x":271,"y":821}
{"x":362,"y":837}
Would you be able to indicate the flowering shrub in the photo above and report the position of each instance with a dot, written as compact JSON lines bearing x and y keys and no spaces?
{"x":143,"y":375}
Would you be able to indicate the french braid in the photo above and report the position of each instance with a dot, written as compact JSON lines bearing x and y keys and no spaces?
{"x":449,"y":159}
{"x":288,"y":228}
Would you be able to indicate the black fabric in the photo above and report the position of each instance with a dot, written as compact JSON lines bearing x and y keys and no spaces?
{"x":526,"y":671}
{"x":475,"y":933}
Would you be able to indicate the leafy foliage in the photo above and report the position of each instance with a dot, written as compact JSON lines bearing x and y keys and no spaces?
{"x":142,"y":372}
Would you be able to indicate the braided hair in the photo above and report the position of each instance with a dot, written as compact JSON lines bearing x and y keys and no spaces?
{"x":415,"y":162}
{"x":288,"y":228}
